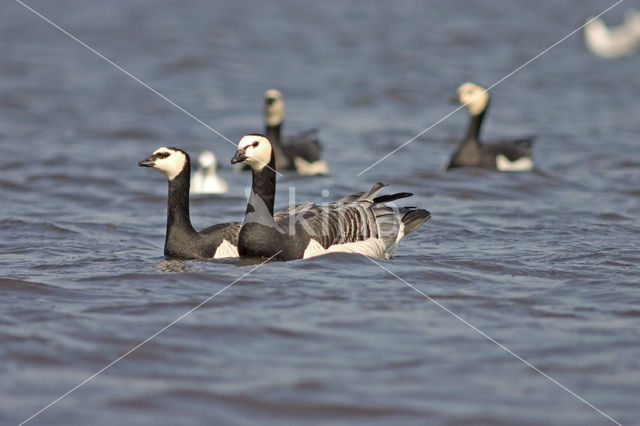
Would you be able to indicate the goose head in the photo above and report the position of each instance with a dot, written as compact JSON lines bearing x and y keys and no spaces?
{"x":255,"y":150}
{"x":273,"y":107}
{"x":474,"y":97}
{"x":167,"y":160}
{"x":596,"y":33}
{"x":207,"y":161}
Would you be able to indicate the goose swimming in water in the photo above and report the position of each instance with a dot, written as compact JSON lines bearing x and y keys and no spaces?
{"x":613,"y":42}
{"x":511,"y":155}
{"x":205,"y":180}
{"x":300,"y":152}
{"x":182,"y":240}
{"x":359,"y":223}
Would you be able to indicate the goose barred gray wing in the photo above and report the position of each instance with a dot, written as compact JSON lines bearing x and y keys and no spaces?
{"x":370,"y":195}
{"x":359,"y":222}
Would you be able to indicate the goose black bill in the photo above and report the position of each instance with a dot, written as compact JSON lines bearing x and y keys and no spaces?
{"x":239,"y":157}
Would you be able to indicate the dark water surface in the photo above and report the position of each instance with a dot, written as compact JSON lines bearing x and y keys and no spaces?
{"x":545,"y":262}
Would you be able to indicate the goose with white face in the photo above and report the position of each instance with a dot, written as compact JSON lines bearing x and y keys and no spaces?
{"x":273,"y":107}
{"x":205,"y":180}
{"x":255,"y":150}
{"x":167,"y":160}
{"x":613,"y":42}
{"x":207,"y":160}
{"x":474,"y":97}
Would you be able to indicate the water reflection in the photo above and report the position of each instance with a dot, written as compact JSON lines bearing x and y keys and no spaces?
{"x":171,"y":265}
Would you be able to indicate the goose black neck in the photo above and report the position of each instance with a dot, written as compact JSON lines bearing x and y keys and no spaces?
{"x":263,"y":191}
{"x":473,"y":131}
{"x":273,"y":133}
{"x":178,"y":202}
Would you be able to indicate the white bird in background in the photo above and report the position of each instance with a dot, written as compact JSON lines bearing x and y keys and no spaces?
{"x":613,"y":42}
{"x":205,"y":180}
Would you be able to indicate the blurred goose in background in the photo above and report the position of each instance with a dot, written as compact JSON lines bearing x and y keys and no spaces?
{"x":613,"y":42}
{"x":205,"y":180}
{"x":509,"y":155}
{"x":300,"y":152}
{"x":359,"y":223}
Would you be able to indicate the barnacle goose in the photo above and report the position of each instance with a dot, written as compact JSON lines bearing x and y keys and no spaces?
{"x":613,"y":42}
{"x":299,"y":152}
{"x":359,"y":223}
{"x":204,"y":179}
{"x":182,"y":240}
{"x":510,"y":155}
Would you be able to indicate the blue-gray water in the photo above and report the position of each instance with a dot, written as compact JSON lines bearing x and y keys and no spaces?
{"x":545,"y":262}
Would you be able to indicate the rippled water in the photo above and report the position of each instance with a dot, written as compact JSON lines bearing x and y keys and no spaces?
{"x":546,"y":262}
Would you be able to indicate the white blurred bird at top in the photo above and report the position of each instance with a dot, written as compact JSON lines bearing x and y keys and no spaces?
{"x":205,"y":180}
{"x":613,"y":42}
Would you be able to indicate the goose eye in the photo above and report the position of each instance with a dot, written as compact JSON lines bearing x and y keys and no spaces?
{"x":255,"y":143}
{"x":162,"y":154}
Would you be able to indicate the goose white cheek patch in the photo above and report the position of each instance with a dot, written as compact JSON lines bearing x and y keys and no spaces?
{"x":274,"y":111}
{"x":474,"y":97}
{"x":258,"y":156}
{"x":172,"y":165}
